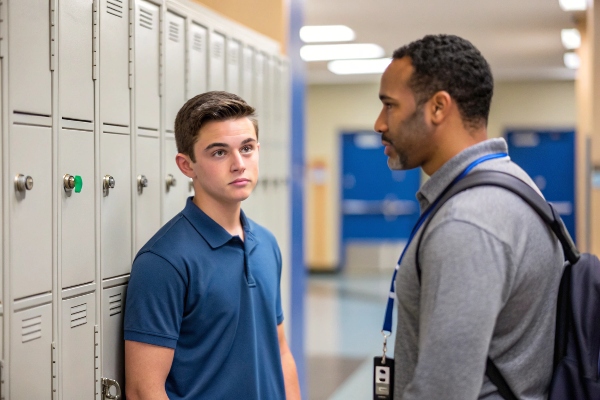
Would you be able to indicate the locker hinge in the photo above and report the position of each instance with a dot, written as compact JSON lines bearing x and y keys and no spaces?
{"x":2,"y":27}
{"x":131,"y":22}
{"x":160,"y":53}
{"x":97,"y":362}
{"x":54,"y":373}
{"x":2,"y":379}
{"x":52,"y":36}
{"x":95,"y":41}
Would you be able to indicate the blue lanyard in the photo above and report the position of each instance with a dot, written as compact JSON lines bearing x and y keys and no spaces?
{"x":387,"y":322}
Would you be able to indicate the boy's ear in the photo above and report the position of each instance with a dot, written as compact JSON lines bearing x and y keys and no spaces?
{"x":185,"y":165}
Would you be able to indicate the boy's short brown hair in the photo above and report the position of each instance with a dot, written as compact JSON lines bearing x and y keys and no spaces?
{"x":205,"y":107}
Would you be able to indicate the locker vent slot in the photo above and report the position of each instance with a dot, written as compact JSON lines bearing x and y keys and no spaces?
{"x":146,"y":20}
{"x":77,"y":120}
{"x":217,"y":50}
{"x":198,"y":39}
{"x":174,"y":31}
{"x":32,"y":114}
{"x":119,"y":125}
{"x":233,"y":56}
{"x":79,"y":315}
{"x":31,"y":329}
{"x":114,"y":304}
{"x":115,"y":7}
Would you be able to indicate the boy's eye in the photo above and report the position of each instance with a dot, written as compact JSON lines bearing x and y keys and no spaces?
{"x":219,"y":153}
{"x":247,"y":149}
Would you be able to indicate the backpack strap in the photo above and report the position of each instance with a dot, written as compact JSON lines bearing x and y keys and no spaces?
{"x":538,"y":203}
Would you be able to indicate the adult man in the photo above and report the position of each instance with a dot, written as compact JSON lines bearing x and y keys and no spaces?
{"x":490,"y":266}
{"x":203,"y":314}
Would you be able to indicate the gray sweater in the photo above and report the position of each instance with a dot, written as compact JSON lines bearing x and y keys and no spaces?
{"x":490,"y":275}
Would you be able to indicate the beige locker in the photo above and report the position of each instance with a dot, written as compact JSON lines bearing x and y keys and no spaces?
{"x":77,"y":222}
{"x":148,"y":189}
{"x":30,"y":210}
{"x":247,"y":75}
{"x":76,"y":86}
{"x":216,"y":70}
{"x":31,"y":367}
{"x":175,"y":68}
{"x":30,"y":84}
{"x":113,"y":353}
{"x":115,"y":205}
{"x":77,"y":345}
{"x":114,"y":65}
{"x":197,"y":58}
{"x":176,"y":195}
{"x":147,"y":67}
{"x":233,"y":66}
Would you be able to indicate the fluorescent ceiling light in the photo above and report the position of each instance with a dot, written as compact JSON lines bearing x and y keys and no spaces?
{"x":571,"y":38}
{"x":571,"y":60}
{"x":326,"y":33}
{"x":348,"y":67}
{"x":323,"y":52}
{"x":573,"y":5}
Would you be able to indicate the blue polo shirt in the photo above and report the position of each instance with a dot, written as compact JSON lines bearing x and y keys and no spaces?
{"x":215,"y":299}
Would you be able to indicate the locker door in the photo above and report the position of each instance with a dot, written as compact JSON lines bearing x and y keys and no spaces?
{"x":31,"y":211}
{"x":30,"y":85}
{"x":148,"y":198}
{"x":147,"y":66}
{"x":76,"y":86}
{"x":77,"y":347}
{"x":115,"y":205}
{"x":233,"y":66}
{"x":31,"y":360}
{"x":175,"y":68}
{"x":114,"y":64}
{"x":78,"y":233}
{"x":113,"y":358}
{"x":198,"y":72}
{"x":247,"y":72}
{"x":176,"y":195}
{"x":258,"y":198}
{"x":216,"y":71}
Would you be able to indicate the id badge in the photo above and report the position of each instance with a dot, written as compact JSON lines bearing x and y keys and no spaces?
{"x":383,"y":378}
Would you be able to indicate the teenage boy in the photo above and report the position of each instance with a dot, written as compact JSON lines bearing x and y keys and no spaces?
{"x":203,"y":315}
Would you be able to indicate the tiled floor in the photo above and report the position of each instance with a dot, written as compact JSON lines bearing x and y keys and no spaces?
{"x":344,"y":318}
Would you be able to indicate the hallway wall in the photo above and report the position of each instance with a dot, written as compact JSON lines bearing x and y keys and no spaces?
{"x":332,"y":109}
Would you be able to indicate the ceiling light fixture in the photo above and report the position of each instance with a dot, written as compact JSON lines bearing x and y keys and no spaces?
{"x":573,"y":5}
{"x":571,"y":60}
{"x":571,"y":38}
{"x":348,"y":67}
{"x":324,"y":52}
{"x":326,"y":33}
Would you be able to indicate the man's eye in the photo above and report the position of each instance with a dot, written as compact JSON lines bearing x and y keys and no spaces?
{"x":247,"y":149}
{"x":219,"y":153}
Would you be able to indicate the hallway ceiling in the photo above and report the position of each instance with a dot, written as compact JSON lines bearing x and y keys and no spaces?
{"x":519,"y":38}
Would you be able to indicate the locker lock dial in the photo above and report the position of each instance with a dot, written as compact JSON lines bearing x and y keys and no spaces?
{"x":171,"y":181}
{"x":108,"y":182}
{"x":106,"y":385}
{"x":23,"y":183}
{"x":71,"y":182}
{"x":142,"y":182}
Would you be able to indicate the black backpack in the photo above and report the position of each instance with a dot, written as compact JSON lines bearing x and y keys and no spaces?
{"x":577,"y":344}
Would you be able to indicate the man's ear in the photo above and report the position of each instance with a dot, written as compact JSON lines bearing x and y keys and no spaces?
{"x":185,"y":165}
{"x":439,"y":106}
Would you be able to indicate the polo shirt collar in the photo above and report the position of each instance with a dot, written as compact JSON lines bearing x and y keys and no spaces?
{"x":214,"y":234}
{"x":454,"y":167}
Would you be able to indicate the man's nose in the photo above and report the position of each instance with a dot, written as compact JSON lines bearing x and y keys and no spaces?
{"x":238,"y":162}
{"x":380,"y":125}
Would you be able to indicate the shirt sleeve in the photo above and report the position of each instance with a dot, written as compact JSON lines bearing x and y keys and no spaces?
{"x":155,"y":302}
{"x":465,"y":275}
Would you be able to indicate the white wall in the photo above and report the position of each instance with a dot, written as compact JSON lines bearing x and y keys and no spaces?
{"x":332,"y":109}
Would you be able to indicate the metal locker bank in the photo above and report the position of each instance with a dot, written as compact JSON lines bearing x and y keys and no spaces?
{"x":90,"y":91}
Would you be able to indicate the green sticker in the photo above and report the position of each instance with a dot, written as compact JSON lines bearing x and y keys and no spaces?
{"x":78,"y":183}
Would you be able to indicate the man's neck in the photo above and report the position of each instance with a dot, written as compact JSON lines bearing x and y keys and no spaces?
{"x":225,"y":214}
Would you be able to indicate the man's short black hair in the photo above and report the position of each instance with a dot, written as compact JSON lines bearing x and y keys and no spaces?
{"x":454,"y":65}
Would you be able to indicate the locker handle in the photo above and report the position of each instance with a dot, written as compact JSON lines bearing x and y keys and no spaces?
{"x":142,"y":182}
{"x":108,"y":182}
{"x":171,"y":181}
{"x":106,"y":385}
{"x":23,"y":183}
{"x":71,"y":182}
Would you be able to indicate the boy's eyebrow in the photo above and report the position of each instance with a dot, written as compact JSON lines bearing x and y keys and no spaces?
{"x":217,"y":144}
{"x":383,"y":97}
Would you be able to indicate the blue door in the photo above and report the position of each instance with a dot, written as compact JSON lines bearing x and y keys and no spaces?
{"x":549,"y":158}
{"x":377,"y":204}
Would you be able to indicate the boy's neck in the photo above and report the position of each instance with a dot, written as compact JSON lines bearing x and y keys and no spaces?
{"x":225,"y":214}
